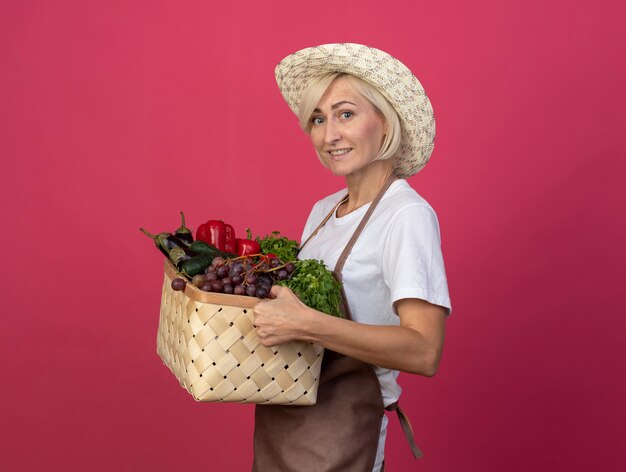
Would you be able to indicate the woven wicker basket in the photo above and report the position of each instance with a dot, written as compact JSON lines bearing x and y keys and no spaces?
{"x":209,"y":343}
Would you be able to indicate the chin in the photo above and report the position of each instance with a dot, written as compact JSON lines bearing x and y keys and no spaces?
{"x":339,"y":169}
{"x":339,"y":172}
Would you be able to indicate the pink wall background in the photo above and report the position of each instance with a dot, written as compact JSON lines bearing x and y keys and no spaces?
{"x":115,"y":115}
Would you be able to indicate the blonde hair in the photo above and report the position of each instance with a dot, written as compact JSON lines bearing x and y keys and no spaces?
{"x":314,"y":91}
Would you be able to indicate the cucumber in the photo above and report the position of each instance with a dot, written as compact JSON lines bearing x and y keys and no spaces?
{"x":204,"y":255}
{"x":200,"y":247}
{"x":196,"y":265}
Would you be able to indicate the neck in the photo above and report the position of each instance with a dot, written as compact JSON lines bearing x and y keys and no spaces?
{"x":363,"y":188}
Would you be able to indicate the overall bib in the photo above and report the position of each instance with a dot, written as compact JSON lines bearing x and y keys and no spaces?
{"x":340,"y":433}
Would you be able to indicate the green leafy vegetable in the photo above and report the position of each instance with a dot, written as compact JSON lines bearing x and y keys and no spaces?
{"x":316,"y":286}
{"x":284,"y":248}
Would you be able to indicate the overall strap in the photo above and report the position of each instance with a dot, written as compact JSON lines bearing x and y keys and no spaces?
{"x":357,"y":232}
{"x":326,"y":218}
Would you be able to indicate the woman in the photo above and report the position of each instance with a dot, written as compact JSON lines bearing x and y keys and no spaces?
{"x":372,"y":124}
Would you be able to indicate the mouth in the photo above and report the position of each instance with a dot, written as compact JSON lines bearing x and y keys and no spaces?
{"x":339,"y":153}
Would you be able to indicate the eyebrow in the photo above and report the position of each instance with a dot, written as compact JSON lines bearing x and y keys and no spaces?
{"x":337,"y":105}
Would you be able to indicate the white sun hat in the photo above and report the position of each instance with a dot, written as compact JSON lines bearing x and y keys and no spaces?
{"x":387,"y":74}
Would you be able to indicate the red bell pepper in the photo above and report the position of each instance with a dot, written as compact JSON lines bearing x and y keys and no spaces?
{"x":213,"y":232}
{"x":201,"y":233}
{"x":247,"y":247}
{"x":230,"y":243}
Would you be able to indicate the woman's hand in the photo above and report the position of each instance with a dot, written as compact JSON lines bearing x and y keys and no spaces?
{"x":281,"y":318}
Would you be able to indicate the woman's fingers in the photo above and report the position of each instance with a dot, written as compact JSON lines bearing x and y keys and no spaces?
{"x":278,"y":290}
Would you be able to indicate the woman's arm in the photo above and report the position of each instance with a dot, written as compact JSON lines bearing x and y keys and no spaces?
{"x":415,"y":346}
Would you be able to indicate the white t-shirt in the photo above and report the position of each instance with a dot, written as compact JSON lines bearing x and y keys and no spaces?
{"x":398,"y":255}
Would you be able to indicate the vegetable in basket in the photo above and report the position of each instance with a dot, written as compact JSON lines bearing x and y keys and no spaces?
{"x":213,"y":232}
{"x":171,"y":246}
{"x":183,"y":233}
{"x":257,"y":265}
{"x":202,"y":255}
{"x":248,"y":246}
{"x":189,"y":256}
{"x":315,"y":286}
{"x":284,"y":248}
{"x":230,"y":244}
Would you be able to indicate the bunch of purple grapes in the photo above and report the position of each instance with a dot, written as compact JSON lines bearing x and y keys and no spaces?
{"x":251,"y":276}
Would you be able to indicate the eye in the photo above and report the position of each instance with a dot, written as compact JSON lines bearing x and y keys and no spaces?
{"x":317,"y":120}
{"x":346,"y":114}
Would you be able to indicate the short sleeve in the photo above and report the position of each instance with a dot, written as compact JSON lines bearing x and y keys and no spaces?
{"x":413,"y":265}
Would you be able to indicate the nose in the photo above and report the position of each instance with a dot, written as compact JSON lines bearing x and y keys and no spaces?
{"x":332,"y":133}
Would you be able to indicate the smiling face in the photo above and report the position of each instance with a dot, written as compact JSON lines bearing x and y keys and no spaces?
{"x":346,"y":130}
